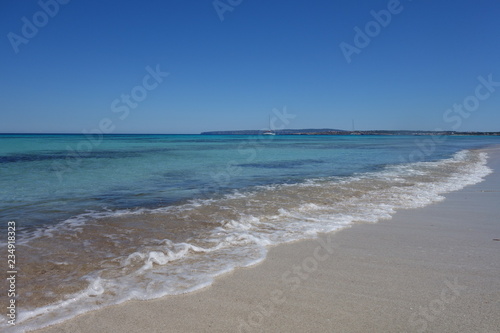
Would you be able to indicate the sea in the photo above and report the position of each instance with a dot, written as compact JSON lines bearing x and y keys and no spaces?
{"x":100,"y":220}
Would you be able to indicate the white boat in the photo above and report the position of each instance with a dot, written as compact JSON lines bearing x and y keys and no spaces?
{"x":269,"y":132}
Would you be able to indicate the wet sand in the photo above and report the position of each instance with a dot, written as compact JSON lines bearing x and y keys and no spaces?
{"x":434,"y":269}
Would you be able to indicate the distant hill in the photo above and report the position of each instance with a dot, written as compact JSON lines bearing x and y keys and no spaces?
{"x":278,"y":132}
{"x":329,"y":131}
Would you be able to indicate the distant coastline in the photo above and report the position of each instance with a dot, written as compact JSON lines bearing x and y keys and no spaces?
{"x":327,"y":131}
{"x":277,"y":132}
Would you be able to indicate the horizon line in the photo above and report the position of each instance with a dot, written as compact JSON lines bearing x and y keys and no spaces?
{"x":249,"y":130}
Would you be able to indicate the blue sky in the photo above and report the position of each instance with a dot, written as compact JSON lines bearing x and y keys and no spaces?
{"x":231,"y":73}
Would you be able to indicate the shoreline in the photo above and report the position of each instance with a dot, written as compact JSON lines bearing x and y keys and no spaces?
{"x":427,"y":269}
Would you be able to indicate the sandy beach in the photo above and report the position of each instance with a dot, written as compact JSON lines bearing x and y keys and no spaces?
{"x":435,"y":269}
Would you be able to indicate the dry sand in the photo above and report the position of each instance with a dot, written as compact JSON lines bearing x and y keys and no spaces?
{"x":435,"y":269}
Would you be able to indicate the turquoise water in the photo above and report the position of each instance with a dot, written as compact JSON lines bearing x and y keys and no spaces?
{"x":105,"y":220}
{"x":45,"y":179}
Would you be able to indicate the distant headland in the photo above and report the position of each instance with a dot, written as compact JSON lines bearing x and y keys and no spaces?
{"x":329,"y":131}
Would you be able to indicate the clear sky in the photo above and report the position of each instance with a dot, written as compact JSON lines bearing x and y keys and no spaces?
{"x":66,"y":66}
